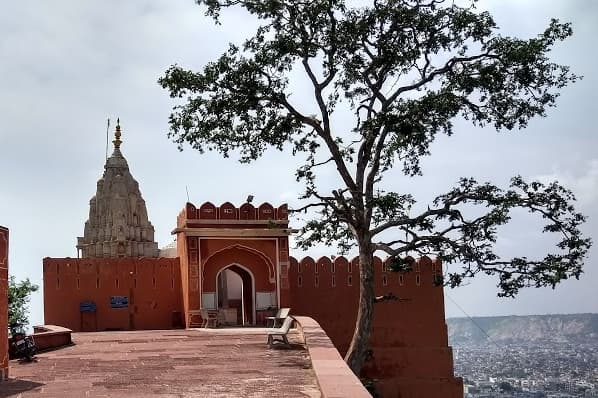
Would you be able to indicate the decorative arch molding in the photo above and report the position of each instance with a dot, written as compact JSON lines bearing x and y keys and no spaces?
{"x":266,"y":211}
{"x":266,"y":260}
{"x":207,"y":211}
{"x":228,"y":211}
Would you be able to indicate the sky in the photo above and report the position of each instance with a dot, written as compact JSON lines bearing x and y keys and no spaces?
{"x":67,"y":66}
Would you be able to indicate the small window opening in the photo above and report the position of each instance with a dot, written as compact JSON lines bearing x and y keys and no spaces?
{"x":333,"y":281}
{"x":417,"y":279}
{"x":384,"y":280}
{"x":350,"y":280}
{"x":401,"y":280}
{"x":299,"y":281}
{"x":317,"y":281}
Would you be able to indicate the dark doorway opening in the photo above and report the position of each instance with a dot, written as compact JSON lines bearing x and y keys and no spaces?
{"x":235,"y":296}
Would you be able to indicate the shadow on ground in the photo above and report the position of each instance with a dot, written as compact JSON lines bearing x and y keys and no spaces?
{"x":291,"y":347}
{"x":12,"y":387}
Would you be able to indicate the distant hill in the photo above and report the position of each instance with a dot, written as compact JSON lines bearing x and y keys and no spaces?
{"x":563,"y":328}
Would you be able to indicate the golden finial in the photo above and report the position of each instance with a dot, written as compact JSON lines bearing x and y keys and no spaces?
{"x":117,"y":140}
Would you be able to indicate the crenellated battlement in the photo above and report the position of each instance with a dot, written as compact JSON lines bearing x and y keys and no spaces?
{"x":333,"y":264}
{"x":330,"y":272}
{"x":328,"y":289}
{"x":228,"y":211}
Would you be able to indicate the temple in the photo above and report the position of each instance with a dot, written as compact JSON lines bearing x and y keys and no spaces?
{"x":235,"y":260}
{"x":118,"y":225}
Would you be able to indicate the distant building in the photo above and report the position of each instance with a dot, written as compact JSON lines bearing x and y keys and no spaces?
{"x":236,"y":261}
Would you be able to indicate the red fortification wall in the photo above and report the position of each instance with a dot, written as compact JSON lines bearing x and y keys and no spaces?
{"x":410,"y":353}
{"x":151,"y":285}
{"x":3,"y":303}
{"x":411,"y":356}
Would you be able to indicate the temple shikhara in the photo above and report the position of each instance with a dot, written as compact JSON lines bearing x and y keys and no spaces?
{"x":235,"y":260}
{"x":118,"y":225}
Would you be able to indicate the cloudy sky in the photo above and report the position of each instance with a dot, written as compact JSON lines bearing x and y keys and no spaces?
{"x":67,"y":66}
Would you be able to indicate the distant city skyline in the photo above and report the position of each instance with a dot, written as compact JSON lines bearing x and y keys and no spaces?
{"x":68,"y":66}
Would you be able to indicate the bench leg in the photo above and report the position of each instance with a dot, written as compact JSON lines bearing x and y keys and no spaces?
{"x":282,"y":338}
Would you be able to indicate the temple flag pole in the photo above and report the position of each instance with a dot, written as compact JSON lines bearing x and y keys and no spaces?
{"x":107,"y":128}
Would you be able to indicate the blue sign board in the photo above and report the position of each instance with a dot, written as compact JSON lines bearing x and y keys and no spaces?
{"x":87,"y":306}
{"x":119,"y":301}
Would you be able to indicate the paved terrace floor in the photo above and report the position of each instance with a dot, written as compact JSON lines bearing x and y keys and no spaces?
{"x":169,"y":363}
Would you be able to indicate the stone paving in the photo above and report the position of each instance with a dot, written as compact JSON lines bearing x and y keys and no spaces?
{"x":169,"y":363}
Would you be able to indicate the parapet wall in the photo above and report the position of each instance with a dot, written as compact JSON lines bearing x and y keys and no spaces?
{"x":3,"y":303}
{"x":335,"y":378}
{"x":128,"y":293}
{"x":338,"y":271}
{"x":318,"y":286}
{"x":409,"y":341}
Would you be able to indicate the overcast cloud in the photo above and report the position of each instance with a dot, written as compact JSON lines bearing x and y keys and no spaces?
{"x":68,"y":65}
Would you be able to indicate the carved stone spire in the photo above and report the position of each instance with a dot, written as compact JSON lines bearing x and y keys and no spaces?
{"x":118,"y":225}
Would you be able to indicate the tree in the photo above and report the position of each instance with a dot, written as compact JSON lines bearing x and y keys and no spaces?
{"x":505,"y":386}
{"x":404,"y":70}
{"x":18,"y":301}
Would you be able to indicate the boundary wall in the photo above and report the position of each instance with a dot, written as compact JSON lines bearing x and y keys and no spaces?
{"x":409,"y":342}
{"x":97,"y":294}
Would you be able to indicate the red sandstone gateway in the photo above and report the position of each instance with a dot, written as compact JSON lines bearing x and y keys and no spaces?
{"x":235,"y":261}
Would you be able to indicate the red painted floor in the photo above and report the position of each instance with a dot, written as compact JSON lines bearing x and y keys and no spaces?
{"x":169,"y":363}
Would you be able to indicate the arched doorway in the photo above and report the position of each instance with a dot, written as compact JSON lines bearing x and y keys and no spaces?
{"x":235,"y":293}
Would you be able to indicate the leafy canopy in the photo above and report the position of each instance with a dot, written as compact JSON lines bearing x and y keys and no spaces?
{"x":406,"y":70}
{"x":18,"y":301}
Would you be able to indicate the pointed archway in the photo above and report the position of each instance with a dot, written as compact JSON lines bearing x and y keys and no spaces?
{"x":235,"y":293}
{"x":259,"y":282}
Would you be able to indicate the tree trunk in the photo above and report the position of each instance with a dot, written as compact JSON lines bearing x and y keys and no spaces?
{"x":358,"y":350}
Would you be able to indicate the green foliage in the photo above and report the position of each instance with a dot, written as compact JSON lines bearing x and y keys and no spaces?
{"x":505,"y":386}
{"x":18,"y":301}
{"x":404,"y":70}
